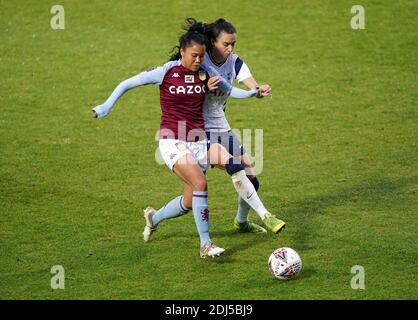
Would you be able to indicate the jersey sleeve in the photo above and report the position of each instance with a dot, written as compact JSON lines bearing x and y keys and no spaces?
{"x":238,"y":93}
{"x":154,"y":76}
{"x":241,"y":70}
{"x":224,"y":85}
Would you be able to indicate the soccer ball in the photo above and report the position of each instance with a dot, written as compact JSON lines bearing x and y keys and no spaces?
{"x":285,"y":263}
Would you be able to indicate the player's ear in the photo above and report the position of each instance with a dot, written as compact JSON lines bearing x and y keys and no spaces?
{"x":182,"y":52}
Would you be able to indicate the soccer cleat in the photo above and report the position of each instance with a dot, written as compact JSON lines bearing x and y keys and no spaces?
{"x":248,"y":226}
{"x":149,"y":227}
{"x":210,"y":250}
{"x":272,"y":223}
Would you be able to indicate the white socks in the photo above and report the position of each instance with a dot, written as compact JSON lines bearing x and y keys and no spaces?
{"x":247,"y":192}
{"x":243,"y":210}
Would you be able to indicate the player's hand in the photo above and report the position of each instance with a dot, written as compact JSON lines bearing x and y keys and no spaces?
{"x":100,"y":111}
{"x":264,"y":91}
{"x":213,"y":83}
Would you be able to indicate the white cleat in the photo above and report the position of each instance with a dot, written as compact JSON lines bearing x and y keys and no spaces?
{"x":210,"y":250}
{"x":149,"y":227}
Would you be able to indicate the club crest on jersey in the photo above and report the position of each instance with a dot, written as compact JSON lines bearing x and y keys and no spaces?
{"x":189,"y":78}
{"x":202,"y":75}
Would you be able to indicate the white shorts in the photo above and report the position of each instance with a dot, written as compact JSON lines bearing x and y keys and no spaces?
{"x":172,"y":150}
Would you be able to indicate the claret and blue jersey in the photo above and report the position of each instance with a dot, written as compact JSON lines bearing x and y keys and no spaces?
{"x":182,"y":94}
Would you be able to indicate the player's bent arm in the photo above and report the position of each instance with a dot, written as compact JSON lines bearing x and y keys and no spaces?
{"x":244,"y":76}
{"x":146,"y":77}
{"x":250,"y":83}
{"x":265,"y":89}
{"x":234,"y":92}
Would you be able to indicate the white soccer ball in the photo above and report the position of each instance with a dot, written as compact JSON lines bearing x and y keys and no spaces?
{"x":285,"y":263}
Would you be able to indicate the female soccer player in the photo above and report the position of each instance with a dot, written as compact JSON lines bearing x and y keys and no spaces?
{"x":219,"y":56}
{"x":183,"y":146}
{"x":222,"y":37}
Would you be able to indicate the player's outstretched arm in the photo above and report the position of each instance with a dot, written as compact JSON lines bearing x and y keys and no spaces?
{"x":146,"y":77}
{"x":103,"y":110}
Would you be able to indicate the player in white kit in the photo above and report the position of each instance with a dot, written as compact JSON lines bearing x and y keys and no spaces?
{"x":219,"y":55}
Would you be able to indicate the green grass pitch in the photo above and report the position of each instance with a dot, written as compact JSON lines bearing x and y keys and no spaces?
{"x":339,"y":165}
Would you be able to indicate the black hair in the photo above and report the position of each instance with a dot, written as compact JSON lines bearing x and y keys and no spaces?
{"x":214,"y":29}
{"x":195,"y":32}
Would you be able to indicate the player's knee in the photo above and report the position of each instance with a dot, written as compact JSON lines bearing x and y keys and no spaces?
{"x":200,"y":184}
{"x":233,"y":166}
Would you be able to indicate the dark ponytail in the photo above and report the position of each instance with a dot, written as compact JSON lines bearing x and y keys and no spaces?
{"x":195,"y":32}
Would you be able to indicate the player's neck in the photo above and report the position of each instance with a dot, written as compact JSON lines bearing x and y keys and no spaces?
{"x":187,"y":69}
{"x":217,"y":59}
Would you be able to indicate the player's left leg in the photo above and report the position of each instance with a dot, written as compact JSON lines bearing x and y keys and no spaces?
{"x":173,"y":209}
{"x":219,"y":157}
{"x":241,"y":222}
{"x":233,"y":146}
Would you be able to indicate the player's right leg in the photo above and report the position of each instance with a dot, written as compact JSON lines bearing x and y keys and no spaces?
{"x":192,"y":175}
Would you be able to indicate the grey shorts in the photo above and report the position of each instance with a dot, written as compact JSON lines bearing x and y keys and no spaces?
{"x":228,"y":139}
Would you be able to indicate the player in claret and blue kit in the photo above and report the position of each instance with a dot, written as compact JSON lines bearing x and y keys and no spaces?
{"x":183,"y":83}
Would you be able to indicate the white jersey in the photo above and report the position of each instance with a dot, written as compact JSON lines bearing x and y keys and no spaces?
{"x":214,"y":105}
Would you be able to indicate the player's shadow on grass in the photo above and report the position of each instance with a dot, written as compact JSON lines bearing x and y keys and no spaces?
{"x":246,"y":240}
{"x":232,"y":241}
{"x":375,"y":192}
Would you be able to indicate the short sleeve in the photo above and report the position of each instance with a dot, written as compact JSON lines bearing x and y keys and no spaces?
{"x":243,"y":72}
{"x":152,"y":76}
